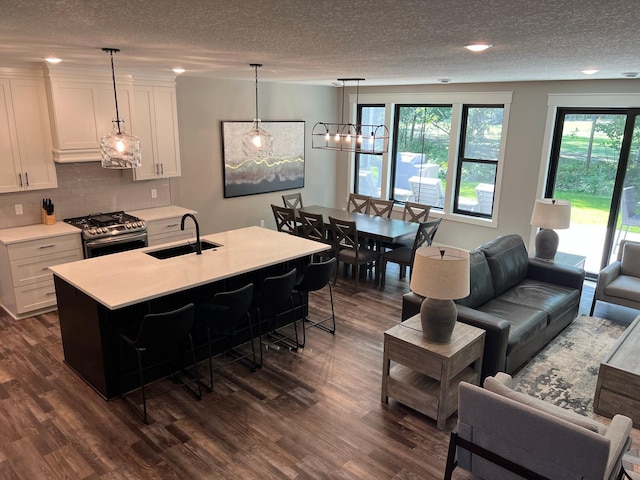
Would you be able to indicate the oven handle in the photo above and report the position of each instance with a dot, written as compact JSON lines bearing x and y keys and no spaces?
{"x":116,"y":239}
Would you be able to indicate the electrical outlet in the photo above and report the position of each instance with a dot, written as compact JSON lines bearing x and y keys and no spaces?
{"x":154,"y":193}
{"x":262,"y":223}
{"x":18,"y":207}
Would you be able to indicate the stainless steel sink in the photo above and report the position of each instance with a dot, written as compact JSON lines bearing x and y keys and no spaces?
{"x":178,"y":250}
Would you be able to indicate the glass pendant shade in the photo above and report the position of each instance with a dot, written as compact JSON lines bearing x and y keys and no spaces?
{"x":257,"y":142}
{"x":120,"y":149}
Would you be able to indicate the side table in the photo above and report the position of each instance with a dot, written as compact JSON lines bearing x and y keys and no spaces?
{"x":563,"y":258}
{"x":425,"y":375}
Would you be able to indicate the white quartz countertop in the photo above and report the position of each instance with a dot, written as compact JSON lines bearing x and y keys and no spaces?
{"x":160,"y":213}
{"x":131,"y":277}
{"x":36,"y":232}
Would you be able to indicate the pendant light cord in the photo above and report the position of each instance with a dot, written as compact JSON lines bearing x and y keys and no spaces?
{"x":113,"y":76}
{"x":256,"y":66}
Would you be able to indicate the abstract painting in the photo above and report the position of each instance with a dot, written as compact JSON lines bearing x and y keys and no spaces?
{"x":284,"y":170}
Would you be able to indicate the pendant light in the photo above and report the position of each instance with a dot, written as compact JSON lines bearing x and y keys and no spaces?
{"x":257,"y":142}
{"x":350,"y":137}
{"x":119,"y":149}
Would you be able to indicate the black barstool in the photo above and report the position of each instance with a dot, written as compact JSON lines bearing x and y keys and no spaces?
{"x":274,"y":292}
{"x":227,"y":313}
{"x":162,"y":336}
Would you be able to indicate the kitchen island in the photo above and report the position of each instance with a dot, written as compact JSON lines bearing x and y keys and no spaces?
{"x":97,"y":297}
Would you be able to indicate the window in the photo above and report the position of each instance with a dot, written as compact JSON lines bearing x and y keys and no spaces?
{"x":421,"y":150}
{"x":369,"y":167}
{"x":480,"y":141}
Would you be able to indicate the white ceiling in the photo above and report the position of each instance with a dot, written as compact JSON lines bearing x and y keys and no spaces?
{"x":317,"y":41}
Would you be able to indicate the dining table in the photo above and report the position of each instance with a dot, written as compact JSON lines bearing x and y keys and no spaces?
{"x":382,"y":230}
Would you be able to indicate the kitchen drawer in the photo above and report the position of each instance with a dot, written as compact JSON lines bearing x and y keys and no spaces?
{"x":167,"y":225}
{"x":36,"y":269}
{"x":167,"y":237}
{"x":44,"y":246}
{"x":35,"y":296}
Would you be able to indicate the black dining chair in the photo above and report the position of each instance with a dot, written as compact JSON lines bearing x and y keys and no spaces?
{"x":348,"y":249}
{"x":415,"y":212}
{"x":276,"y":293}
{"x":223,"y":319}
{"x":404,"y":256}
{"x":316,"y":277}
{"x":167,"y":337}
{"x":380,"y":207}
{"x":358,"y":203}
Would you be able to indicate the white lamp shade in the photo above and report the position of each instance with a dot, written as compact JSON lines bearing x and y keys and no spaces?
{"x":441,"y":273}
{"x":551,"y":214}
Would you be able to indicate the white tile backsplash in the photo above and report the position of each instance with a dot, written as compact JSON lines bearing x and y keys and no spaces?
{"x":85,"y":188}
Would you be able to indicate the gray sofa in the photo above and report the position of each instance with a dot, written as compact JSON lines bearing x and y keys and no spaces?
{"x":545,"y":439}
{"x":521,"y":302}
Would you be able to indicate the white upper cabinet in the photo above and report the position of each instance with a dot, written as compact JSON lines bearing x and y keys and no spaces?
{"x":82,"y":109}
{"x":157,"y":128}
{"x":25,"y":134}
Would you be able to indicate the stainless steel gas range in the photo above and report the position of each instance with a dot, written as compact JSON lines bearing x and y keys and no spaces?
{"x":104,"y":233}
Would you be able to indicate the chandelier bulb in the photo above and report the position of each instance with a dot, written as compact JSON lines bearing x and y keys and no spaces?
{"x":327,"y":136}
{"x":337,"y":137}
{"x":348,"y":138}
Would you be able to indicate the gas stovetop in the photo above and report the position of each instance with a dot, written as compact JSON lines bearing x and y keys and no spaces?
{"x":99,"y":225}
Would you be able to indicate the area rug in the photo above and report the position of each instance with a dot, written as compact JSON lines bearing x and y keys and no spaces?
{"x":565,"y":372}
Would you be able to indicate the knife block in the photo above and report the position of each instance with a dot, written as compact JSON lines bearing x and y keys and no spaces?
{"x":47,"y":219}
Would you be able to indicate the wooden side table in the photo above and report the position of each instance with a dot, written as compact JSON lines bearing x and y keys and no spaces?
{"x":425,"y":375}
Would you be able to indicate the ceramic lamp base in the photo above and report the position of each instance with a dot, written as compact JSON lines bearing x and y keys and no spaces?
{"x":547,"y":241}
{"x":438,"y":318}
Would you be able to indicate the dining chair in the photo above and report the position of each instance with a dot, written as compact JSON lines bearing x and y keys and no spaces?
{"x":404,"y":256}
{"x":347,"y":248}
{"x":223,"y":318}
{"x":380,"y":208}
{"x":161,"y":337}
{"x":358,"y":203}
{"x":312,"y":227}
{"x":285,"y":219}
{"x":415,"y":212}
{"x":293,"y":200}
{"x":317,"y":276}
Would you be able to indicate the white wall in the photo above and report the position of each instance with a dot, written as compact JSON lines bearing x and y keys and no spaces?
{"x":202,"y":105}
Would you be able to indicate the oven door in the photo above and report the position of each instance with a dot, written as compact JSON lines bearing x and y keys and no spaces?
{"x":117,"y":243}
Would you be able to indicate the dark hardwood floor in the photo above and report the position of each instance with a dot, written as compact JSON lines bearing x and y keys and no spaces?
{"x":315,"y":413}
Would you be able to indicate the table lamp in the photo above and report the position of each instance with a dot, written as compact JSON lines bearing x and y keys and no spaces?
{"x":548,"y":214}
{"x":441,"y":274}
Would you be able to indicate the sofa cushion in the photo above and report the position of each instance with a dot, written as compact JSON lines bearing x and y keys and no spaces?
{"x":526,"y":322}
{"x":555,"y":300}
{"x":623,"y":286}
{"x":630,"y":263}
{"x":495,"y":386}
{"x":508,"y":261}
{"x":481,"y":285}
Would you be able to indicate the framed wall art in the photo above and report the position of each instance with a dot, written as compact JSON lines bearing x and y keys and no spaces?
{"x":245,"y":175}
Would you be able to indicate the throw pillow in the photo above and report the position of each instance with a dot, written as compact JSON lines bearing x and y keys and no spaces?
{"x":630,"y":264}
{"x":495,"y":386}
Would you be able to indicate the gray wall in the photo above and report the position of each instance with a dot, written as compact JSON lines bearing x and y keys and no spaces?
{"x":202,"y":105}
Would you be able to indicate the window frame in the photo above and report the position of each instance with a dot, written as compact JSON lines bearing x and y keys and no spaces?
{"x":457,"y":100}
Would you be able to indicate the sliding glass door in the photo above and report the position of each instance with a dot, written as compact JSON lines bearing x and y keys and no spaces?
{"x":594,"y":156}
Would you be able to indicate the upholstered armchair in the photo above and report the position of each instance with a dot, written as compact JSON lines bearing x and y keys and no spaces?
{"x":619,"y":282}
{"x":505,"y":434}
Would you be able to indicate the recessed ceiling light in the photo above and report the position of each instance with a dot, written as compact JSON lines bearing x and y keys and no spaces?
{"x":444,"y":80}
{"x":53,"y":59}
{"x":178,"y":70}
{"x":630,"y":74}
{"x":590,"y":71}
{"x":478,"y":47}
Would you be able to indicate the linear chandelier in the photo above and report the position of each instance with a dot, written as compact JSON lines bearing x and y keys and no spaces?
{"x":119,"y":149}
{"x":350,"y":137}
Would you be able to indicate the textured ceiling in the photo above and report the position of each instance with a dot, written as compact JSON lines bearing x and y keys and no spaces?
{"x":317,"y":41}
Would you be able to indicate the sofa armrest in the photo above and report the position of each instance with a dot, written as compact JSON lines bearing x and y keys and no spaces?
{"x":564,"y":275}
{"x":606,"y":276}
{"x":618,"y":434}
{"x":496,"y":338}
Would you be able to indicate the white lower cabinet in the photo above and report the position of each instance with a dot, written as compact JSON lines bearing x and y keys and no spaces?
{"x":26,"y":283}
{"x":168,"y":230}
